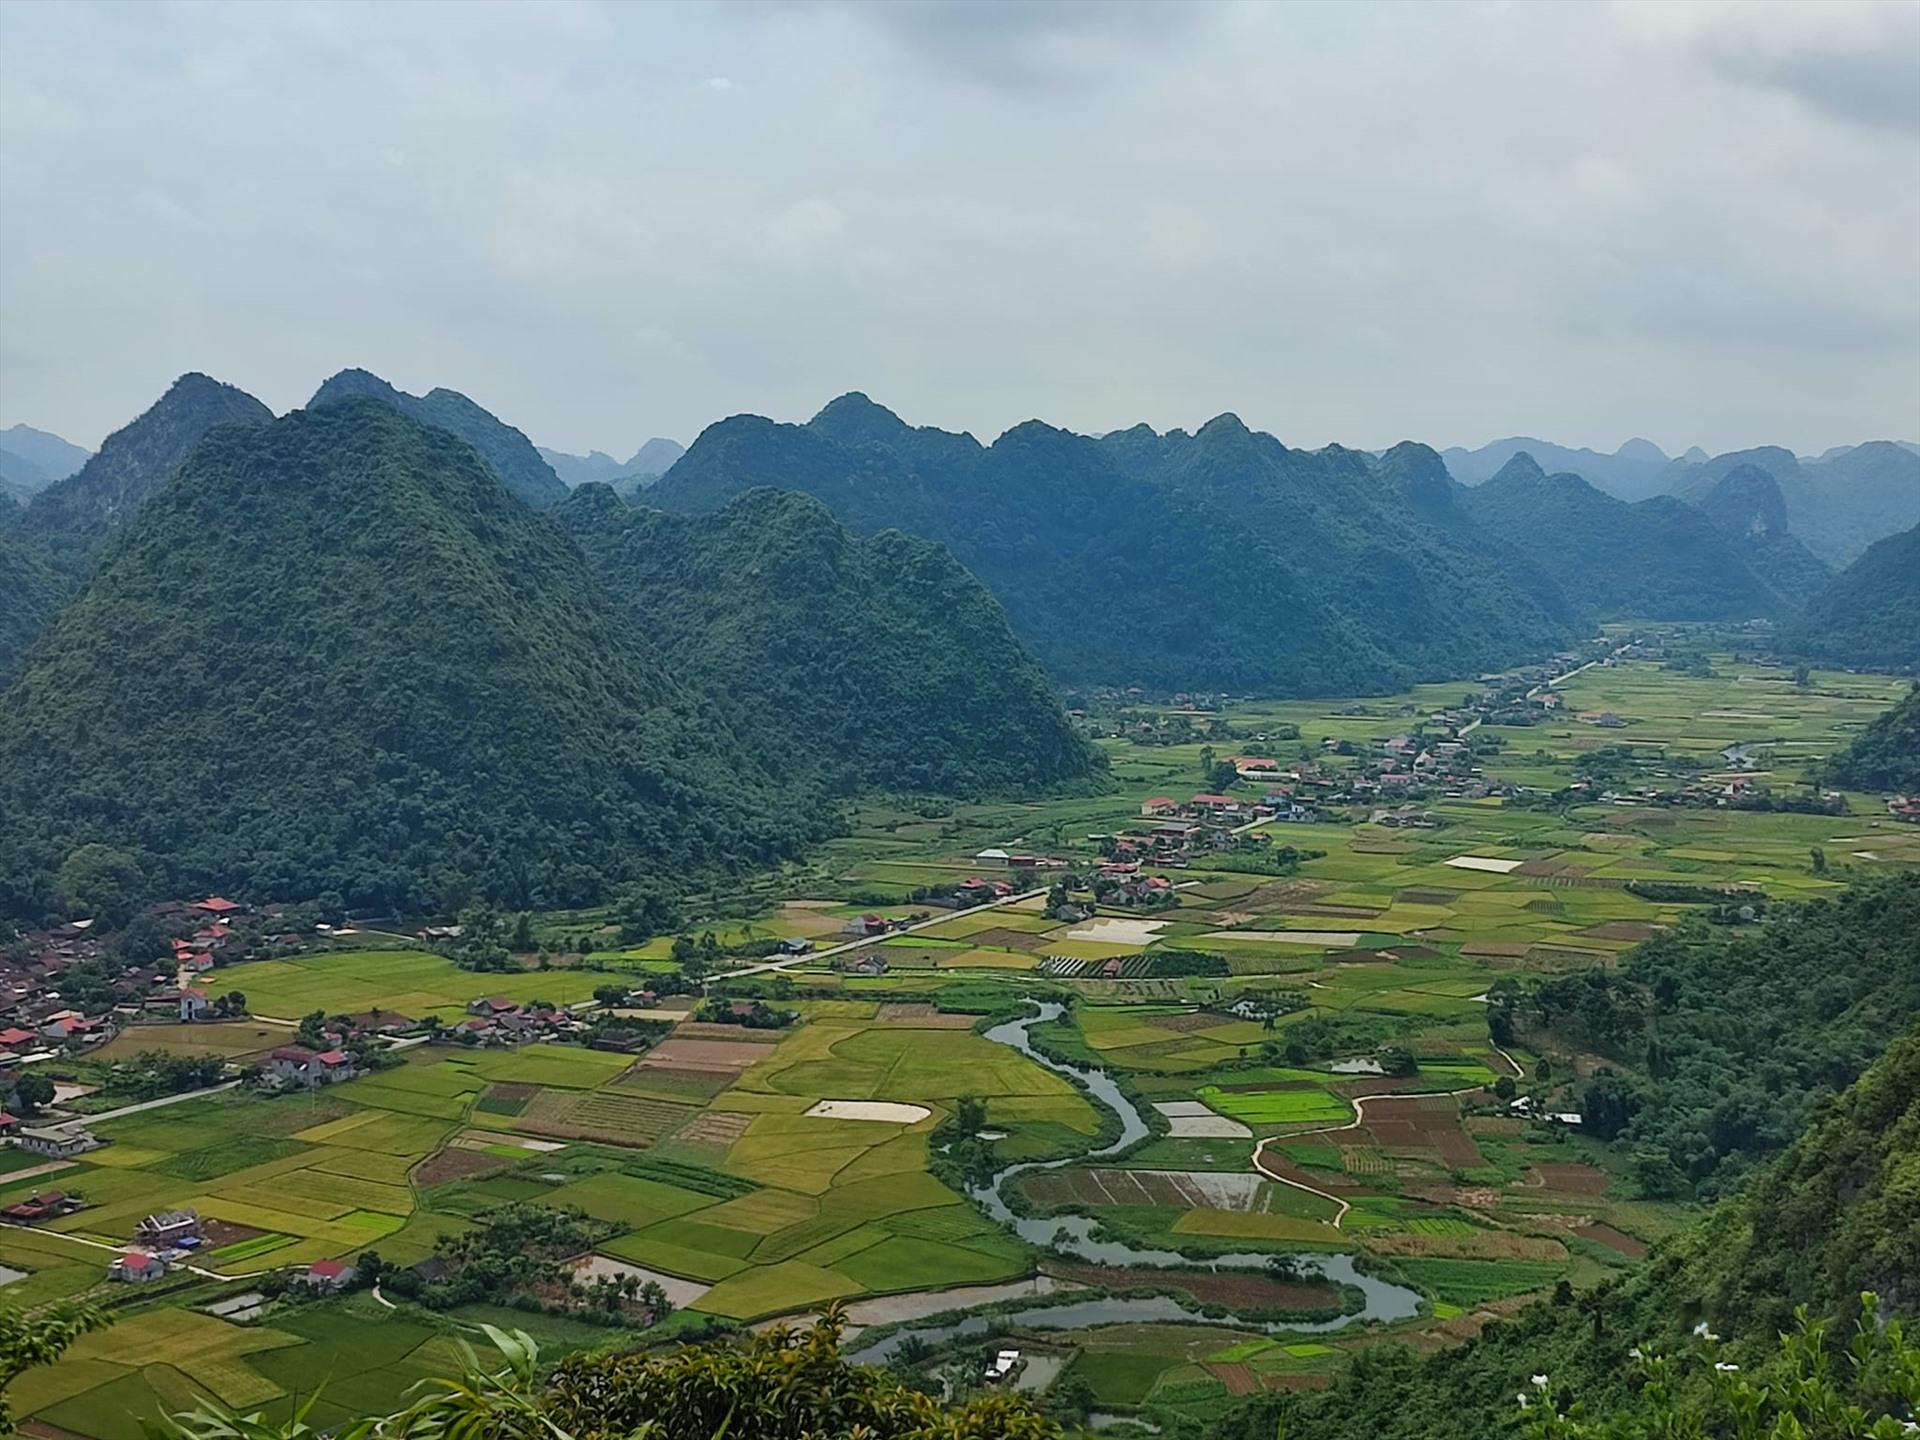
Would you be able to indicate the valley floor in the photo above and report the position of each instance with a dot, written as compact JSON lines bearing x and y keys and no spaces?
{"x":763,"y":1173}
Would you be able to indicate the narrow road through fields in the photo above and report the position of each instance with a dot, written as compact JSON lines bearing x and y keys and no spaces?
{"x":164,"y":1100}
{"x":1358,"y":1122}
{"x":786,"y":961}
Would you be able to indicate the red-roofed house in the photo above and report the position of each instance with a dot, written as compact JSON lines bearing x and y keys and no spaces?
{"x":330,"y":1275}
{"x":136,"y":1266}
{"x":13,"y":1037}
{"x":1160,"y":805}
{"x":217,"y":905}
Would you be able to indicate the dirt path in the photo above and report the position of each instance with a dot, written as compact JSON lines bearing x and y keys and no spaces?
{"x":1357,"y":1123}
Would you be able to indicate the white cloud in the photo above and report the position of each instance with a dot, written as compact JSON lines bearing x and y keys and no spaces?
{"x":1342,"y":222}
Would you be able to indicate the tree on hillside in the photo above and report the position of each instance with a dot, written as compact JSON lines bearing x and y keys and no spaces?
{"x":101,"y":882}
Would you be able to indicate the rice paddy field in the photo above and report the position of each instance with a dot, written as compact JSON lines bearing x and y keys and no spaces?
{"x":703,"y":1155}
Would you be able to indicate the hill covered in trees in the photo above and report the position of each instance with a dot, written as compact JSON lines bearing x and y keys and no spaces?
{"x":1657,"y":559}
{"x":1885,"y":755}
{"x":336,"y":655}
{"x":509,"y":452}
{"x":871,"y":662}
{"x":1746,"y":506}
{"x":71,"y":520}
{"x":1220,"y":559}
{"x":54,"y":541}
{"x":1834,"y":1214}
{"x":1868,"y":615}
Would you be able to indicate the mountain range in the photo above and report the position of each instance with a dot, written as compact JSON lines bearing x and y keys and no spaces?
{"x":1836,"y":504}
{"x":1868,"y":616}
{"x":1635,"y":471}
{"x":648,"y":463}
{"x":1220,"y":559}
{"x":1655,"y":558}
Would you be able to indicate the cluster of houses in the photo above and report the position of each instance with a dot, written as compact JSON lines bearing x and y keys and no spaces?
{"x":495,"y":1020}
{"x":1904,"y":807}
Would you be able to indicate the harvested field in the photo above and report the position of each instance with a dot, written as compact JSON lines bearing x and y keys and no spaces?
{"x":922,"y":1016}
{"x":1239,"y":1379}
{"x":1572,"y":1179}
{"x":1191,"y":1120}
{"x":1008,"y":939}
{"x":1634,"y":930}
{"x":733,"y":1034}
{"x":1474,"y":1245}
{"x":1187,"y":1189}
{"x":702,"y":1054}
{"x":1184,"y":1022}
{"x":714,"y":1127}
{"x":612,"y":1116}
{"x":1630,"y":1246}
{"x":1238,"y":1290}
{"x":455,"y":1164}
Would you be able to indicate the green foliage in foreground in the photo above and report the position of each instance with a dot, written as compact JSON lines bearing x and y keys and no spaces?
{"x":785,"y":1385}
{"x":868,"y":663}
{"x":1885,"y":755}
{"x":337,"y":656}
{"x":25,"y":1343}
{"x":1838,"y":1214}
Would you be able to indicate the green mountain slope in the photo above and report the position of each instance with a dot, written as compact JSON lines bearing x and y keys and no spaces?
{"x":33,"y":592}
{"x":1657,"y":559}
{"x":1868,"y":616}
{"x":873,"y":662}
{"x":512,"y":456}
{"x":71,"y":520}
{"x":1835,"y":1213}
{"x":1886,"y":755}
{"x":1215,"y":560}
{"x":336,"y":655}
{"x":1747,"y":507}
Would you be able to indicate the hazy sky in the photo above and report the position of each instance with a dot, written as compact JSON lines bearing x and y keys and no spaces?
{"x":1445,"y":222}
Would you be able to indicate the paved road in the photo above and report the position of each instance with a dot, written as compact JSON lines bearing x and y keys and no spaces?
{"x":814,"y":956}
{"x":181,"y":1098}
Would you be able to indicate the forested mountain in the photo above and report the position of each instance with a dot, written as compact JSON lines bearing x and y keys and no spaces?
{"x":1746,"y":506}
{"x":1868,"y":615}
{"x":71,"y":520}
{"x":42,"y":452}
{"x":1836,"y":1213}
{"x":1657,"y":559}
{"x":509,"y":452}
{"x":336,"y":655}
{"x":1886,"y":755}
{"x":864,"y":662}
{"x":1633,"y":472}
{"x":29,"y":594}
{"x":1838,"y":507}
{"x":1220,"y":559}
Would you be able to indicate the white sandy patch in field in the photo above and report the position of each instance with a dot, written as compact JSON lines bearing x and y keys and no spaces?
{"x":1190,"y":1120}
{"x":681,"y":1292}
{"x":1485,"y":862}
{"x":1316,"y":938}
{"x":890,"y":1111}
{"x":1112,"y":930}
{"x":1866,"y":855}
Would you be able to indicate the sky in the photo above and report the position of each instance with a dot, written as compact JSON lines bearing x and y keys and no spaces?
{"x":1357,"y":223}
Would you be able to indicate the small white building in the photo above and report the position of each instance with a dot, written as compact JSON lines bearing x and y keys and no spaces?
{"x":58,"y":1144}
{"x":136,"y":1267}
{"x":1003,"y":1364}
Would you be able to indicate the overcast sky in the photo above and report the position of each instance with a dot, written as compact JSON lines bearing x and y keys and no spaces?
{"x":1450,"y":223}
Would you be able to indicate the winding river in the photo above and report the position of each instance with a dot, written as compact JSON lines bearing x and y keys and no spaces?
{"x":1073,"y":1235}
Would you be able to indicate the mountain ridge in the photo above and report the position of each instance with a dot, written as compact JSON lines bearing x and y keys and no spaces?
{"x":512,"y":456}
